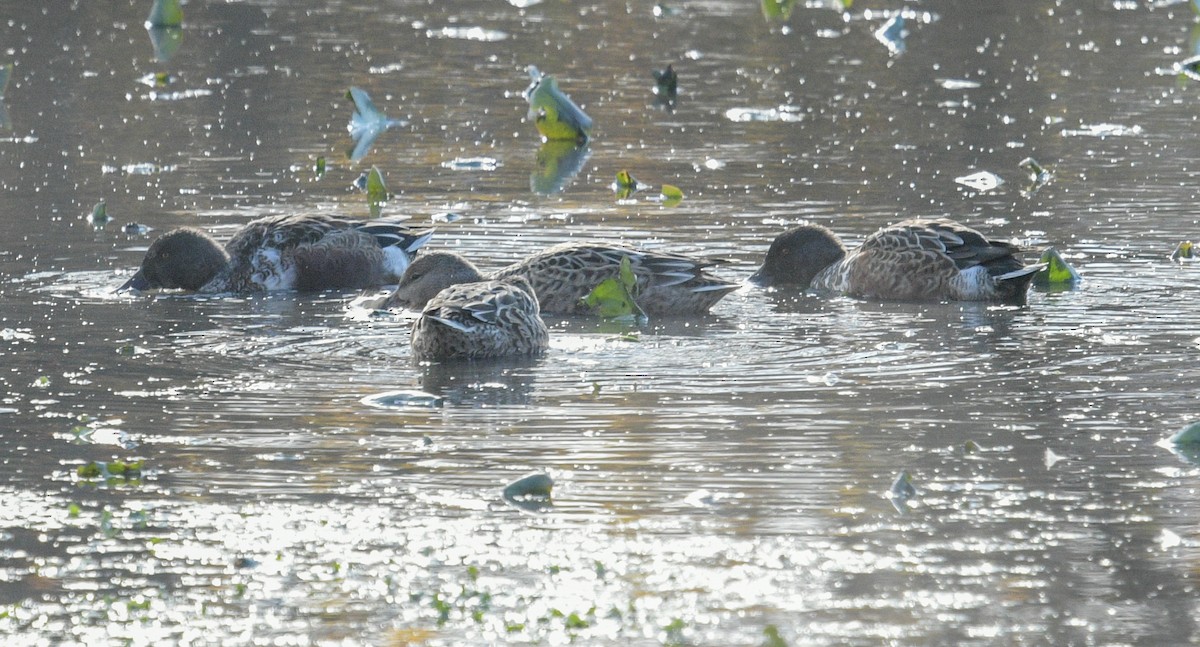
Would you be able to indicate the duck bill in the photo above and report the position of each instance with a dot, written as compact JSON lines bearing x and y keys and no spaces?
{"x":136,"y":282}
{"x":760,"y":278}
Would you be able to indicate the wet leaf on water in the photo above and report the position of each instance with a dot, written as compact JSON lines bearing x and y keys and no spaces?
{"x":1184,"y":251}
{"x":971,"y":447}
{"x":553,"y":113}
{"x":367,"y":123}
{"x":165,"y":41}
{"x":983,"y":181}
{"x":319,"y":167}
{"x":537,"y":484}
{"x":1039,"y":176}
{"x":41,"y":382}
{"x":626,"y":185}
{"x":614,"y":298}
{"x":902,"y":486}
{"x":403,"y":398}
{"x":892,"y":34}
{"x":1057,"y":271}
{"x":165,"y":13}
{"x":377,"y":194}
{"x":557,"y":162}
{"x":1188,"y":436}
{"x":1190,"y":67}
{"x":73,"y":510}
{"x":666,"y":84}
{"x":530,"y":492}
{"x":99,"y":216}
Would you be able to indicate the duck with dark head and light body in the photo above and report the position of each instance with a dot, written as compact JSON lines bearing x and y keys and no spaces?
{"x":667,"y":284}
{"x":304,"y":252}
{"x":913,"y":260}
{"x":480,"y":320}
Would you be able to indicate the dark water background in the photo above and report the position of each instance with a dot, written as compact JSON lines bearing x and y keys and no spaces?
{"x":719,"y":478}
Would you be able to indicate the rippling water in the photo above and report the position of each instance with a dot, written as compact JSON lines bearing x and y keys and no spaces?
{"x":719,"y":480}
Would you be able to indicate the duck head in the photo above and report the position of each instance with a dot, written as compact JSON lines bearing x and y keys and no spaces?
{"x":181,"y":259}
{"x":797,"y":255}
{"x":429,"y":274}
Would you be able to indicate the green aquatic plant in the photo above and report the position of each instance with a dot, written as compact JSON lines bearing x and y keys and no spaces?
{"x":319,"y":167}
{"x":553,"y":113}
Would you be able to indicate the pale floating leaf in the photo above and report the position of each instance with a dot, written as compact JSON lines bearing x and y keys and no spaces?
{"x":403,"y":399}
{"x":983,"y":181}
{"x":892,"y":34}
{"x":367,"y":123}
{"x":165,"y":13}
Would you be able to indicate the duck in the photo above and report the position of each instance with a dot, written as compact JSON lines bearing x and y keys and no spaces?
{"x":919,"y":259}
{"x":667,"y":283}
{"x":307,"y":252}
{"x":480,"y":320}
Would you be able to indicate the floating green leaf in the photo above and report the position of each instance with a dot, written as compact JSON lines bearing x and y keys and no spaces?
{"x":626,"y":185}
{"x":553,"y":113}
{"x":671,"y":195}
{"x":319,"y":167}
{"x":377,"y":194}
{"x":614,"y":297}
{"x":165,"y":13}
{"x":1057,"y":270}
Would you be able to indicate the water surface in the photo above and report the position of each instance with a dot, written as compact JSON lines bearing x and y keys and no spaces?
{"x":718,"y":478}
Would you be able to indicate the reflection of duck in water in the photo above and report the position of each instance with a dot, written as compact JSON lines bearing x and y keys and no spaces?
{"x":309,"y":252}
{"x":913,"y":260}
{"x":480,"y":320}
{"x":667,"y":284}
